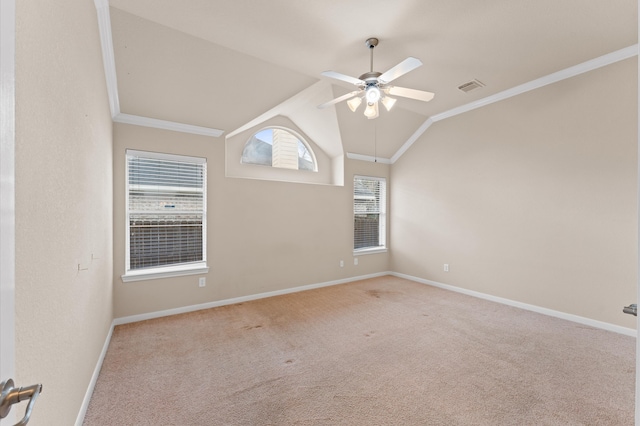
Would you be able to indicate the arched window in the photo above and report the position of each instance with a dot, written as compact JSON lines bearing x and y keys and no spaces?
{"x":279,"y":147}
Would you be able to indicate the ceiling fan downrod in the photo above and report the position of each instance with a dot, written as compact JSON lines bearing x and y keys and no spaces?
{"x":371,"y":43}
{"x":372,"y":92}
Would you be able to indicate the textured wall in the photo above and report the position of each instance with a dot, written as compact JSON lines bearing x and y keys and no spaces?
{"x":64,"y":204}
{"x":262,"y":235}
{"x":531,"y":199}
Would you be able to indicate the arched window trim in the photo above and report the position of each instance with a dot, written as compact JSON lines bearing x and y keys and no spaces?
{"x":294,"y":133}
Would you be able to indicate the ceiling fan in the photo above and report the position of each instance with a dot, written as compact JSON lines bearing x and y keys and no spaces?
{"x":374,"y":86}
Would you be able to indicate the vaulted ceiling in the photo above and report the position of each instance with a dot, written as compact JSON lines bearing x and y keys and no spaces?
{"x":221,"y":64}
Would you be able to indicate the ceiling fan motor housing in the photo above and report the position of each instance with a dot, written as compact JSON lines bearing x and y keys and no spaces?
{"x":370,"y":77}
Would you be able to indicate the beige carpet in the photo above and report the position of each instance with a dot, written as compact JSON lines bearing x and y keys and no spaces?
{"x":384,"y":351}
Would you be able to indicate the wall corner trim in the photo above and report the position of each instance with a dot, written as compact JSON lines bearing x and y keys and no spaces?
{"x":590,"y":65}
{"x":414,"y":137}
{"x":167,"y":125}
{"x":94,"y":378}
{"x":108,"y":60}
{"x":533,"y":308}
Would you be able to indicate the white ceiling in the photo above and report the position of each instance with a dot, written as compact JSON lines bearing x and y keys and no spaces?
{"x":221,"y":64}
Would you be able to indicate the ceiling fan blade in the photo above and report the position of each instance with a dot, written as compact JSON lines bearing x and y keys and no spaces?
{"x":343,"y":77}
{"x":339,"y":99}
{"x":402,"y":68}
{"x":410,"y":93}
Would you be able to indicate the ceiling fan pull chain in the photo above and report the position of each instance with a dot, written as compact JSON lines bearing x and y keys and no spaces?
{"x":375,"y":141}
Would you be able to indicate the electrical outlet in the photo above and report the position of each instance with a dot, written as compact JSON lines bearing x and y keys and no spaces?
{"x":446,"y":267}
{"x":355,"y":260}
{"x":342,"y":263}
{"x":202,"y":281}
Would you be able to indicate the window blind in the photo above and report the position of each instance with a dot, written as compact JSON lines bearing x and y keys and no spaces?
{"x":369,"y":204}
{"x":166,"y":209}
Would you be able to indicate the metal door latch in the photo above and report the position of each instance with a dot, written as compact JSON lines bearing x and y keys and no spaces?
{"x":10,"y":395}
{"x":631,"y":309}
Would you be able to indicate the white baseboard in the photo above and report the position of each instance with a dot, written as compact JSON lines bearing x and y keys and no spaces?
{"x":142,"y":317}
{"x":217,"y":303}
{"x":168,"y":312}
{"x":94,"y":379}
{"x":558,"y":314}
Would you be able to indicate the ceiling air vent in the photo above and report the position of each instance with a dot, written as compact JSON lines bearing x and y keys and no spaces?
{"x":471,"y":85}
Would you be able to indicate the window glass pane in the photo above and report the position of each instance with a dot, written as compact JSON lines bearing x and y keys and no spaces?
{"x":164,"y":240}
{"x":367,"y":231}
{"x":368,"y":210}
{"x":166,"y":210}
{"x":305,"y":161}
{"x":259,"y":148}
{"x":279,"y":148}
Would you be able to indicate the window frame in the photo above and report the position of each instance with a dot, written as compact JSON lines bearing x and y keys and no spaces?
{"x":178,"y":269}
{"x":382,"y":217}
{"x":294,"y":133}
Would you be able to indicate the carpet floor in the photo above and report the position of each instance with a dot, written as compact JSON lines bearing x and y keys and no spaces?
{"x":383,"y":351}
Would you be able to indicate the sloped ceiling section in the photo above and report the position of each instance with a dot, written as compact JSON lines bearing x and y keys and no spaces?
{"x":170,"y":75}
{"x":320,"y":125}
{"x":222,"y":64}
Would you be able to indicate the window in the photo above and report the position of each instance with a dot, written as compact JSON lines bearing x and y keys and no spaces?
{"x":166,"y":215}
{"x":278,"y":147}
{"x":369,"y":213}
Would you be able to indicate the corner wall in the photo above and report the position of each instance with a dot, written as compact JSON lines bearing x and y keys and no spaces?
{"x":263,"y":236}
{"x":64,"y":205}
{"x":531,"y":199}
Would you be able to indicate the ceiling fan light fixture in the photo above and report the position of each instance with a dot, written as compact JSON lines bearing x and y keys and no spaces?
{"x":388,"y":102}
{"x":354,"y":103}
{"x":372,"y":94}
{"x":372,"y":110}
{"x":373,"y":86}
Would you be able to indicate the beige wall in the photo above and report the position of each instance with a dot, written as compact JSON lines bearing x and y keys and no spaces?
{"x":63,"y":204}
{"x":532,"y":199}
{"x":262,"y":235}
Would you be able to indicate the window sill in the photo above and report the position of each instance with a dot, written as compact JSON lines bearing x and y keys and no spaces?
{"x":167,"y":272}
{"x":372,"y":250}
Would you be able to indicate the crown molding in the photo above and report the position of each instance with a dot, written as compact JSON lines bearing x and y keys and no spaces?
{"x":414,"y":137}
{"x":555,"y":77}
{"x":167,"y":125}
{"x":108,"y":59}
{"x":599,"y":62}
{"x":106,"y":41}
{"x":370,"y":158}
